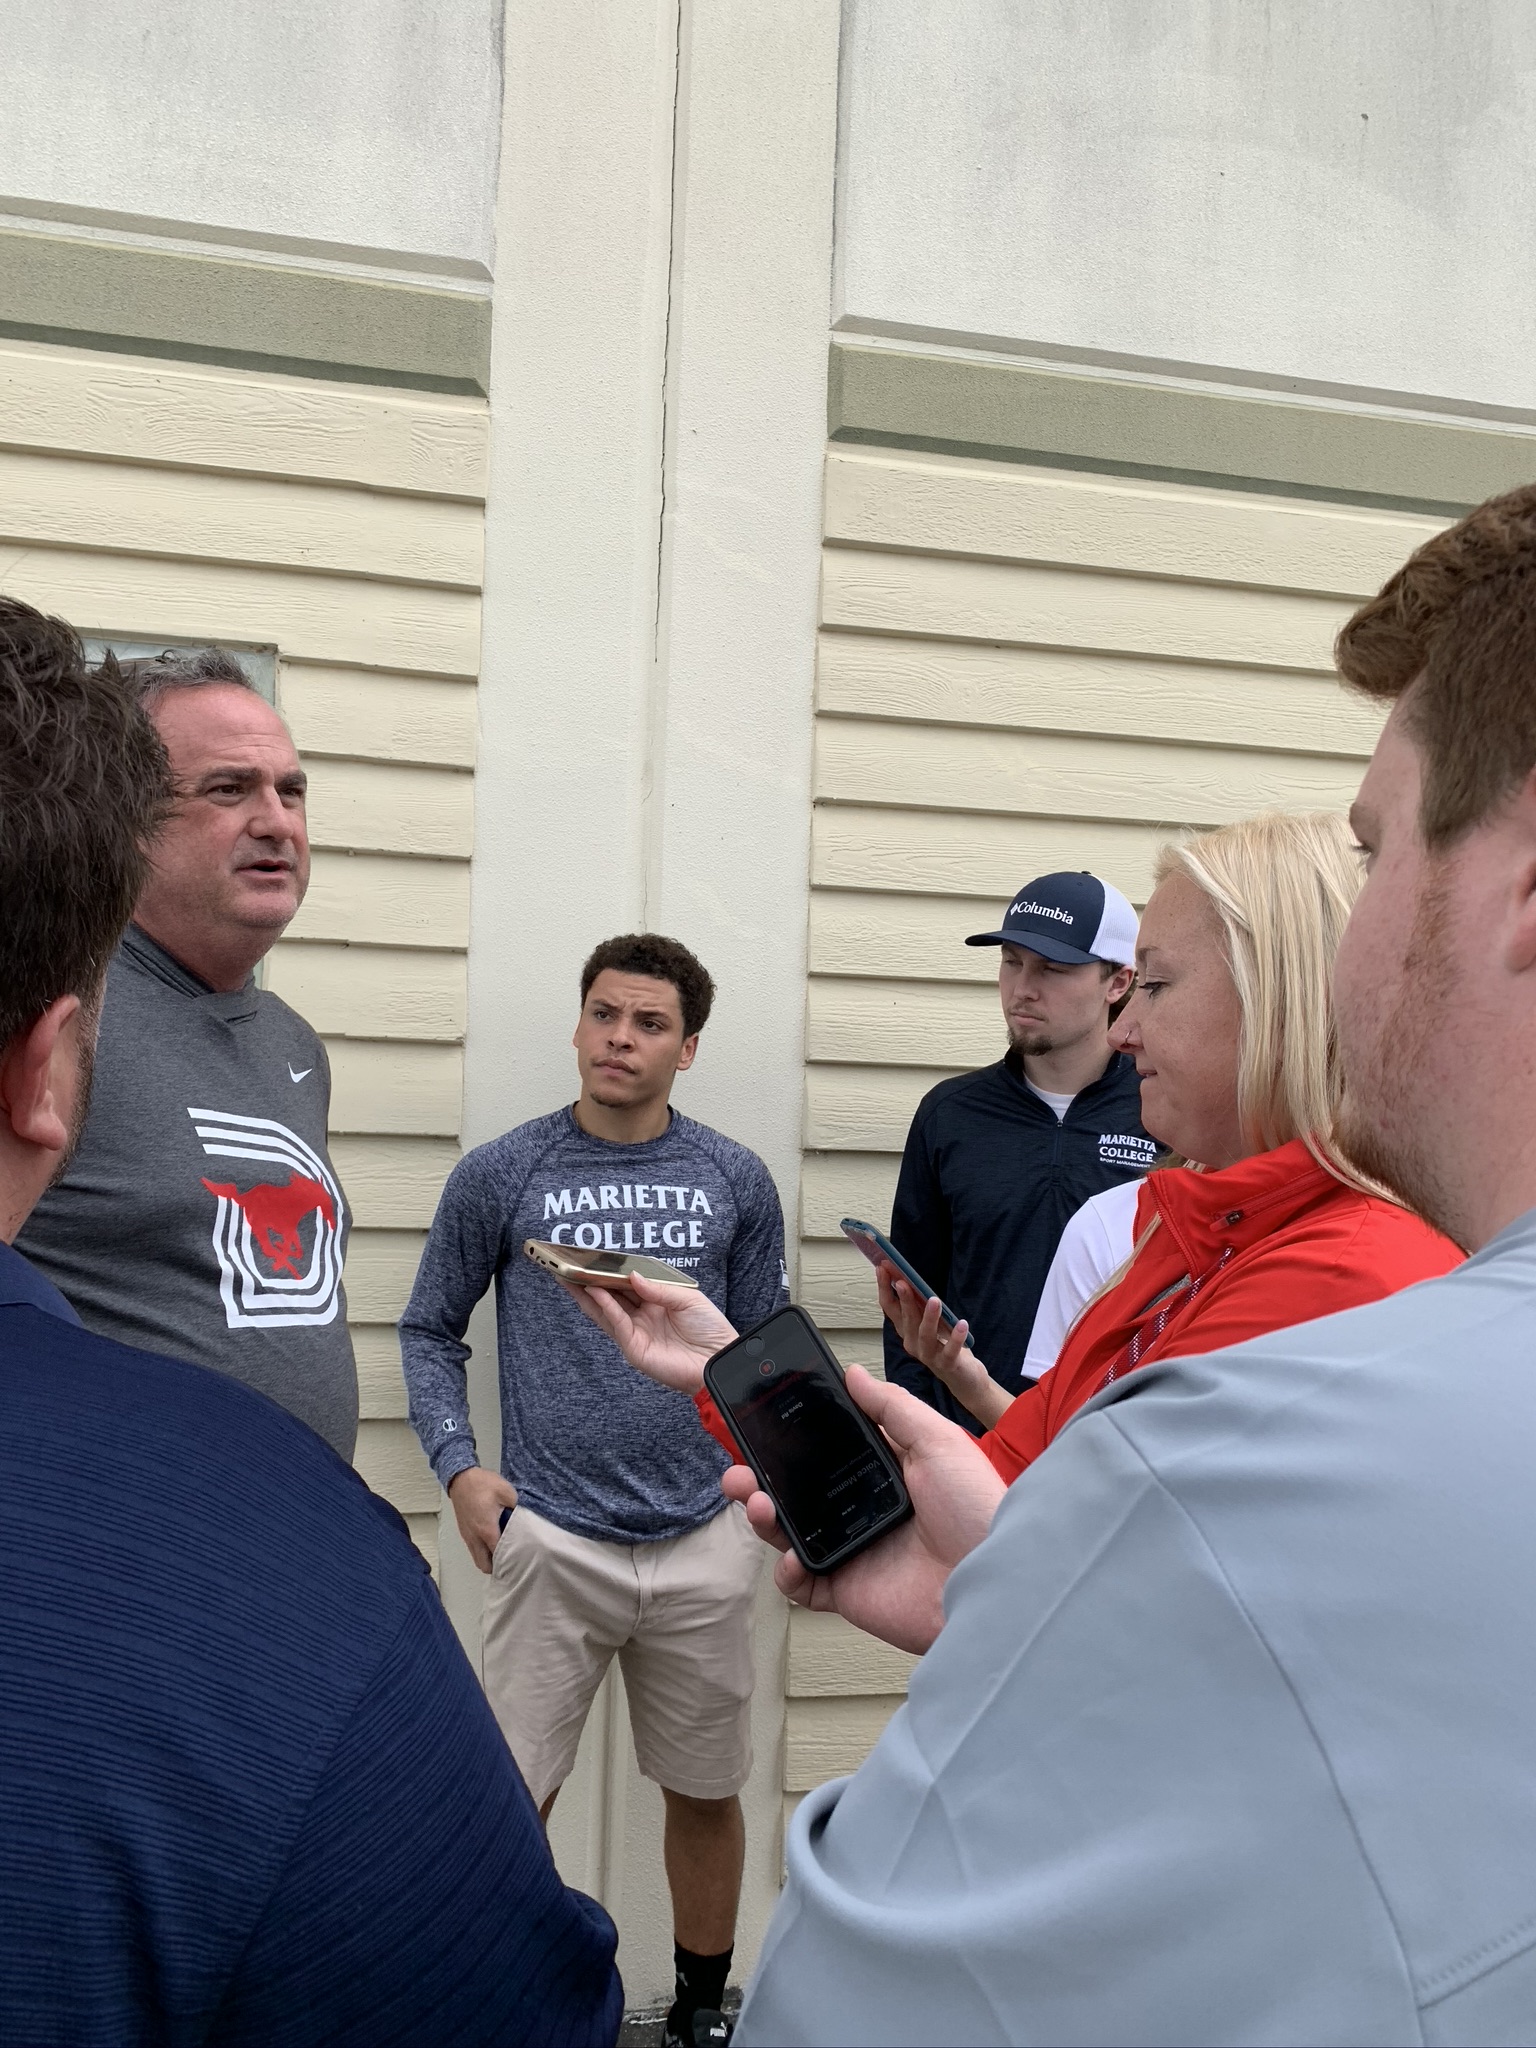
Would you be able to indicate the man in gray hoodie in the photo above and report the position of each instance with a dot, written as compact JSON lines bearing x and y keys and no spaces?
{"x":621,"y":1543}
{"x":201,"y":1216}
{"x":1224,"y":1733}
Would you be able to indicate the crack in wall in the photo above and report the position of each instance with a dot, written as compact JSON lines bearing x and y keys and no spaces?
{"x":653,"y":779}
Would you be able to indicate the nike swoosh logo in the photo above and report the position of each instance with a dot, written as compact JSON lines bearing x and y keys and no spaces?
{"x":299,"y":1076}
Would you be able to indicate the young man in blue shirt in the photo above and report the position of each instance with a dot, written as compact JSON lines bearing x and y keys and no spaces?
{"x":605,"y":1532}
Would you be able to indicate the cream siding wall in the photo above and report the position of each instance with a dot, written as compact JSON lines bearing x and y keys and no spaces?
{"x":1021,"y":670}
{"x":141,"y":499}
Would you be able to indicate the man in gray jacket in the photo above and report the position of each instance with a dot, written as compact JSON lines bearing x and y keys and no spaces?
{"x":1225,"y":1731}
{"x":620,"y":1544}
{"x":201,"y":1216}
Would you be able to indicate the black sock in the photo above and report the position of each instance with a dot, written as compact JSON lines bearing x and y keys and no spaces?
{"x":700,"y":1979}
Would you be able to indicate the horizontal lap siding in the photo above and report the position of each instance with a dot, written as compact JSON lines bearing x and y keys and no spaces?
{"x":345,"y":527}
{"x":841,"y":1687}
{"x":1023,"y":670}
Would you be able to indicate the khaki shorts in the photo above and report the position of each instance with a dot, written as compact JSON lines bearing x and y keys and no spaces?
{"x":678,"y":1616}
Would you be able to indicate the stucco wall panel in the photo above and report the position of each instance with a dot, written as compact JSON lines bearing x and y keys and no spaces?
{"x":367,"y":127}
{"x":1295,"y":192}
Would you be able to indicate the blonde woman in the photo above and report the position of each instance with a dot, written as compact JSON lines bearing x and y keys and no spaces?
{"x":1231,"y":1029}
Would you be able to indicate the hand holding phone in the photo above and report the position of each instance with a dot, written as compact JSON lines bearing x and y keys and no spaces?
{"x":831,"y":1476}
{"x":947,"y":1353}
{"x":894,"y":1589}
{"x":668,"y":1333}
{"x":878,"y":1249}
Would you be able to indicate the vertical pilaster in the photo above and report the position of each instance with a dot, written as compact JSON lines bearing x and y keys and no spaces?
{"x":658,"y":404}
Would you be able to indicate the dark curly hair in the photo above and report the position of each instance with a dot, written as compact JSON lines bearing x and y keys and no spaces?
{"x":84,"y":786}
{"x":659,"y":959}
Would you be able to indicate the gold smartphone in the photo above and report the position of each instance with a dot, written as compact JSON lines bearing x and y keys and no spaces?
{"x":581,"y":1268}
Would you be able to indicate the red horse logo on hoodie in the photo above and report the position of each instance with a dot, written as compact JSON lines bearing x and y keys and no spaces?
{"x":275,"y":1214}
{"x":267,"y":1279}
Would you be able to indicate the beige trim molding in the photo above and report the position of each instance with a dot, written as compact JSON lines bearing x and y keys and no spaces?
{"x":254,"y":316}
{"x":1020,"y":413}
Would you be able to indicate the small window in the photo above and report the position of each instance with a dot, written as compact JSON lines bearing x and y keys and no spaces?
{"x":259,"y":663}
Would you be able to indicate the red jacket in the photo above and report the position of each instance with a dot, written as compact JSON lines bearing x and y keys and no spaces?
{"x":1271,"y":1241}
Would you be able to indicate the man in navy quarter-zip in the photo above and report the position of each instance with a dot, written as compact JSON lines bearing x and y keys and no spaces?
{"x":621,"y":1543}
{"x":997,"y":1161}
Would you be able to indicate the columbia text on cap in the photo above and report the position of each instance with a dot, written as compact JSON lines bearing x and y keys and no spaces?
{"x":1072,"y":918}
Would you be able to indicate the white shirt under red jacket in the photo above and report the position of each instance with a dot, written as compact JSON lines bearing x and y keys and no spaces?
{"x":201,"y":1216}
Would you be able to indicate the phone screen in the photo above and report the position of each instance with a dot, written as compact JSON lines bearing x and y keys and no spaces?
{"x":831,"y":1477}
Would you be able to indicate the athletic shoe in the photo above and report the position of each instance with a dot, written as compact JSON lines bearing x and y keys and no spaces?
{"x":710,"y":2029}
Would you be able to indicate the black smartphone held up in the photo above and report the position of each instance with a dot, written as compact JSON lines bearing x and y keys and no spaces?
{"x":820,"y":1460}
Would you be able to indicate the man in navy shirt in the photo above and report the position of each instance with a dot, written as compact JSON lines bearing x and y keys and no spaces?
{"x":997,"y":1162}
{"x":251,"y":1791}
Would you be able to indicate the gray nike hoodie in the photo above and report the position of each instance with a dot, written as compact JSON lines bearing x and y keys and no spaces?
{"x":201,"y":1216}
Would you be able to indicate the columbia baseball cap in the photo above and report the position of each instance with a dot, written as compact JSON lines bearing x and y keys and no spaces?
{"x":1073,"y":918}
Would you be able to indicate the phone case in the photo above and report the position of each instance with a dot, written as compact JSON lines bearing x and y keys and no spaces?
{"x":875,"y":1246}
{"x":581,"y":1276}
{"x":901,"y":1513}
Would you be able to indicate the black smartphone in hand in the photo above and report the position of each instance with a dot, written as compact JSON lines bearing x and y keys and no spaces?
{"x":831,"y":1475}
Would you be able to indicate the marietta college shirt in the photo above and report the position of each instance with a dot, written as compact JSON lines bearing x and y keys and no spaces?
{"x":201,"y":1216}
{"x":589,"y":1443}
